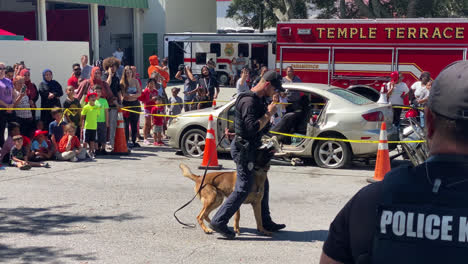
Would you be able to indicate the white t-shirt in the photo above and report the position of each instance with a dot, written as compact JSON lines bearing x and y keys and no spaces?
{"x":118,"y":54}
{"x":419,"y":90}
{"x":395,"y":97}
{"x":242,"y":87}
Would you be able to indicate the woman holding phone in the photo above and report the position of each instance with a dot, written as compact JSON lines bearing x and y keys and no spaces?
{"x":21,"y":100}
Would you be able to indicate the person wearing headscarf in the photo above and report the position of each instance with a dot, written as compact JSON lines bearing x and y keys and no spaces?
{"x":31,"y":90}
{"x":87,"y":86}
{"x":154,"y":67}
{"x":50,"y":92}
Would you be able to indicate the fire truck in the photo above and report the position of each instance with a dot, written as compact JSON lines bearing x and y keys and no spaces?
{"x":363,"y":53}
{"x":196,"y":49}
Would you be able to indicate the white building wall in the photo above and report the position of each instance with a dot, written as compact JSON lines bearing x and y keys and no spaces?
{"x":118,"y":21}
{"x":58,"y":56}
{"x":194,"y":16}
{"x":154,"y":21}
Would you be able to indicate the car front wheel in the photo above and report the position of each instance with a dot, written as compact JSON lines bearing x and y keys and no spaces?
{"x":332,"y":154}
{"x":193,"y":143}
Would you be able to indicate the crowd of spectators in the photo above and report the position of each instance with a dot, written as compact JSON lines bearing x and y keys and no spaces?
{"x":81,"y":123}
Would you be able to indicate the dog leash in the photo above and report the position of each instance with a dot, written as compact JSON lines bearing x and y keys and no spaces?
{"x":199,"y":189}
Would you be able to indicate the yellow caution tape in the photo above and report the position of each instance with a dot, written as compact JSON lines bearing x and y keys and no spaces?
{"x":68,"y":111}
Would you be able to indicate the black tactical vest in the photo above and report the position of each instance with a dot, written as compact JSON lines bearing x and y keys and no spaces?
{"x":423,"y":218}
{"x":260,"y":110}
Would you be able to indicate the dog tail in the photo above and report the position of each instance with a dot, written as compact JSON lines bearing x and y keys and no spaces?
{"x":187,"y":173}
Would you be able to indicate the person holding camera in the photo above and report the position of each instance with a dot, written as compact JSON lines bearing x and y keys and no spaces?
{"x":190,"y":84}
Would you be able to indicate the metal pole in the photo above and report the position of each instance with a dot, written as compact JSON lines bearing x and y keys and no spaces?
{"x":94,"y":31}
{"x":137,"y":45}
{"x":42,"y":20}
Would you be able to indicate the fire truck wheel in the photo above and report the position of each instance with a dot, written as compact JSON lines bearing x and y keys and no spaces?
{"x":332,"y":154}
{"x":223,"y":78}
{"x":193,"y":143}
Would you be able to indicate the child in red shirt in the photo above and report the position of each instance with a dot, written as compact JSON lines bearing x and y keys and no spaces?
{"x":158,"y":122}
{"x":69,"y":147}
{"x":148,"y":98}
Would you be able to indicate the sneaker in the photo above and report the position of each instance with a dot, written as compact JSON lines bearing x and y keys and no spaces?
{"x":46,"y":165}
{"x":160,"y":143}
{"x":156,"y":144}
{"x":74,"y":159}
{"x":146,"y":142}
{"x":223,"y":230}
{"x":90,"y":155}
{"x":25,"y":167}
{"x":136,"y":145}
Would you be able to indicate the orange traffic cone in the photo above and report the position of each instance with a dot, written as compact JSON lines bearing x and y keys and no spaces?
{"x":120,"y":145}
{"x":382,"y":164}
{"x":210,"y":155}
{"x":214,"y":104}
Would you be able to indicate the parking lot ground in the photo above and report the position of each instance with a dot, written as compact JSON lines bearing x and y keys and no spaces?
{"x":120,"y":210}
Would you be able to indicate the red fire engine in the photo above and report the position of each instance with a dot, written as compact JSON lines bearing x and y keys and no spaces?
{"x":349,"y":53}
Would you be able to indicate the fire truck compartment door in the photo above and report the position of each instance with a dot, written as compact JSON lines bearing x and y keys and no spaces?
{"x":362,"y":61}
{"x":311,"y":64}
{"x":413,"y":61}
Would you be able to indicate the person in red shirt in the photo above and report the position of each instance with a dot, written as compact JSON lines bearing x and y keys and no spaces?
{"x":158,"y":121}
{"x":69,"y":147}
{"x":148,"y":98}
{"x":75,"y":79}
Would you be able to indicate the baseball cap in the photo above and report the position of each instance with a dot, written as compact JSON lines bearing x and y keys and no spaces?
{"x":275,"y":79}
{"x":449,"y":93}
{"x":89,"y":95}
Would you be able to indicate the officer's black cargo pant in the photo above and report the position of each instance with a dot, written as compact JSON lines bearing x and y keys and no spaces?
{"x":243,"y":186}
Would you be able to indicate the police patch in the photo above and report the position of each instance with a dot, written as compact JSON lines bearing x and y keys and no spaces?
{"x":250,"y":166}
{"x":434,"y":224}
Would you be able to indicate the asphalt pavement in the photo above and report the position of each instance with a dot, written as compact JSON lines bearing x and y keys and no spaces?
{"x":120,"y":210}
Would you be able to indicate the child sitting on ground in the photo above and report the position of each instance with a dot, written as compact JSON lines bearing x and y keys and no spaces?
{"x":40,"y":149}
{"x":102,"y":121}
{"x":89,"y":116}
{"x":70,"y":147}
{"x":19,"y":156}
{"x":72,"y":114}
{"x":56,"y":126}
{"x":158,"y":122}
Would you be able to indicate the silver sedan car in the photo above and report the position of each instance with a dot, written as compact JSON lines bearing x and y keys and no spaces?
{"x":330,"y":112}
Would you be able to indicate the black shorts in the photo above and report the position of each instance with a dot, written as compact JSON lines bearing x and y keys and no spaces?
{"x":90,"y":135}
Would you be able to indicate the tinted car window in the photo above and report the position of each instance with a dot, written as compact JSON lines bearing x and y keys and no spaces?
{"x":350,"y":96}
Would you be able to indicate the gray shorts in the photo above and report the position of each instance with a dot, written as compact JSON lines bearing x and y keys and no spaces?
{"x":157,"y":129}
{"x":101,"y":132}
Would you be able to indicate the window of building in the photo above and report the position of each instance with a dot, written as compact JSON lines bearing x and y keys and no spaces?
{"x":200,"y":58}
{"x":244,"y":49}
{"x":215,"y":48}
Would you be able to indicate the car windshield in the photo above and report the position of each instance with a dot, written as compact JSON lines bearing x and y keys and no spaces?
{"x":350,"y":96}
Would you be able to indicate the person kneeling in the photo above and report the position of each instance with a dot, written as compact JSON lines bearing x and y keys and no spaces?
{"x":69,"y":147}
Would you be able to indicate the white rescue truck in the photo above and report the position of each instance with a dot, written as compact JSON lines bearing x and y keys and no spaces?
{"x":196,"y":49}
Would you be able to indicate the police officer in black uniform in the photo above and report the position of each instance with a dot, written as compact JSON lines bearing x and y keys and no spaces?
{"x":420,"y":214}
{"x":252,"y":119}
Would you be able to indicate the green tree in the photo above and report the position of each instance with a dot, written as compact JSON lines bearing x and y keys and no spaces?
{"x":261,"y":14}
{"x":390,"y":8}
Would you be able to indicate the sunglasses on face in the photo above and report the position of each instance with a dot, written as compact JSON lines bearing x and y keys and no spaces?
{"x":77,"y":69}
{"x":18,"y":139}
{"x":2,"y":68}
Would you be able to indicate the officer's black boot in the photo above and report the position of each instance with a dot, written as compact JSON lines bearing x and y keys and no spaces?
{"x":223,"y":230}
